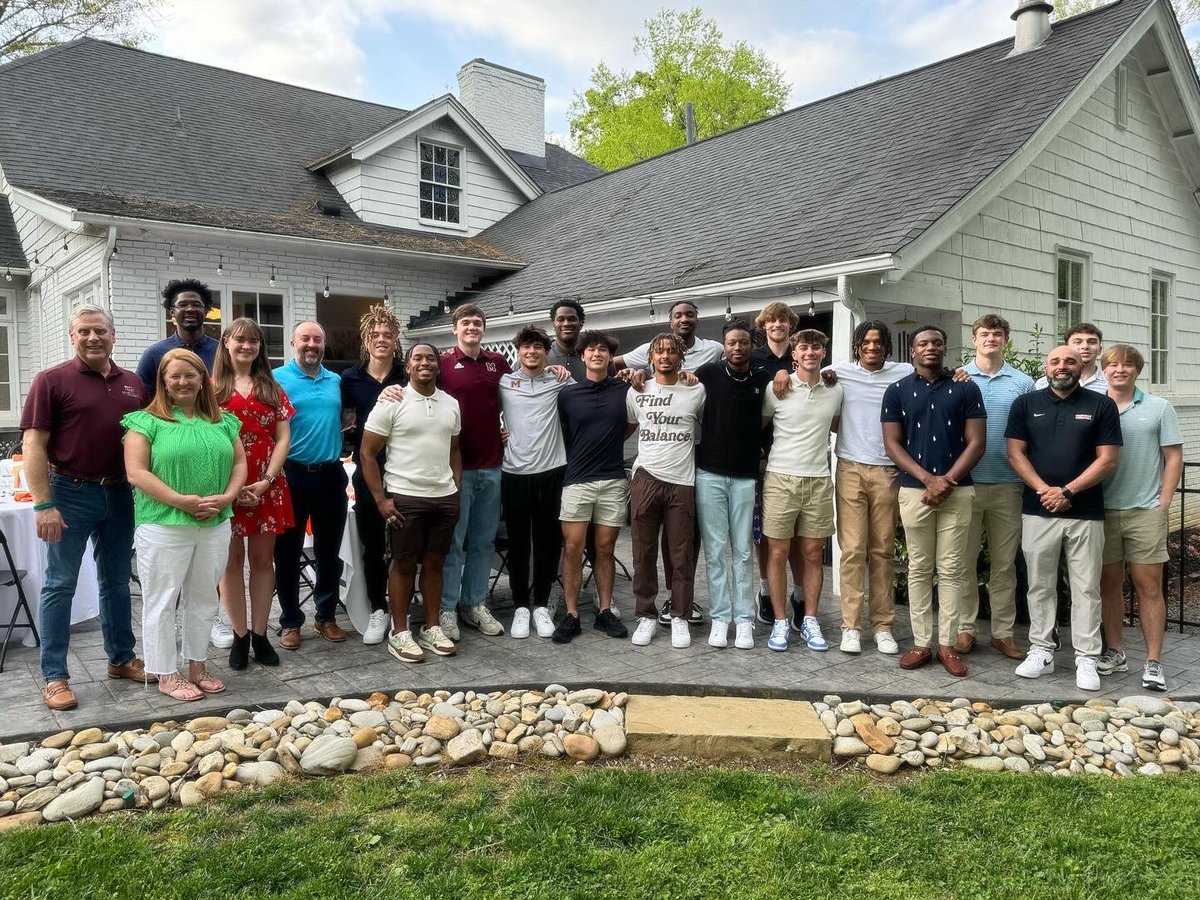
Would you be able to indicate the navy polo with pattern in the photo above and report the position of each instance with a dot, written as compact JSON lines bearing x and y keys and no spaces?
{"x":934,"y":418}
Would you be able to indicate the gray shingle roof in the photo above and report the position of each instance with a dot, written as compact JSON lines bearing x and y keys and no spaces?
{"x":11,"y":253}
{"x":861,"y":173}
{"x":112,"y":126}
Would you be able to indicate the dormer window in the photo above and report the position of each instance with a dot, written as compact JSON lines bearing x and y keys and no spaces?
{"x":441,"y":183}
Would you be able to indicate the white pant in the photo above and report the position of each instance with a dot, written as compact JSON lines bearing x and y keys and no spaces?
{"x":1043,"y":539}
{"x":184,"y":562}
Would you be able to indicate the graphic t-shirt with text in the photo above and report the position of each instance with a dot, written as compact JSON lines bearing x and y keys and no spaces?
{"x":668,"y":420}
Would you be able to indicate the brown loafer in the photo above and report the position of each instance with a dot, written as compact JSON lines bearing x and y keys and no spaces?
{"x":134,"y":670}
{"x":58,"y":695}
{"x":951,"y":661}
{"x":916,"y":657}
{"x":1008,"y":647}
{"x":964,"y":643}
{"x":331,"y":631}
{"x":289,"y":639}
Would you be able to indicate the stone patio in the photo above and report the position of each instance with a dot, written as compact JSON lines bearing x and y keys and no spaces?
{"x":320,"y":670}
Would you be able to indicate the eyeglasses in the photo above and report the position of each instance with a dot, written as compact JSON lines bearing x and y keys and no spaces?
{"x":189,"y":304}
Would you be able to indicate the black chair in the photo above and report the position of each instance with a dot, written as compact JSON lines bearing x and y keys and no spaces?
{"x":12,"y":577}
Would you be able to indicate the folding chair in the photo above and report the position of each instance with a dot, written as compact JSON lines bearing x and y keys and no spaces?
{"x":12,"y":577}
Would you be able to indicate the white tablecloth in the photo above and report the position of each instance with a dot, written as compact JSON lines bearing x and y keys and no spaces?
{"x":30,"y":553}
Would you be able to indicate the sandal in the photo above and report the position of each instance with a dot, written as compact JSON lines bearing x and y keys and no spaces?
{"x":209,"y":683}
{"x":177,"y":687}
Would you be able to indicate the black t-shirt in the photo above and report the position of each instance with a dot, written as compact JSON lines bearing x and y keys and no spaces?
{"x":763,"y":358}
{"x":593,"y":425}
{"x":1061,"y":436}
{"x":731,"y":427}
{"x":360,"y":392}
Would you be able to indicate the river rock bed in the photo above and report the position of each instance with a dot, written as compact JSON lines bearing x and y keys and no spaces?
{"x":73,"y":774}
{"x":1139,"y":734}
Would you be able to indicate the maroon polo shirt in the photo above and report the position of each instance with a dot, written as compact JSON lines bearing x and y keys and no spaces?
{"x":82,"y":411}
{"x":475,"y":384}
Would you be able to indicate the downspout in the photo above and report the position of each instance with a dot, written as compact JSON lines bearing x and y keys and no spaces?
{"x":846,"y":297}
{"x":105,"y":273}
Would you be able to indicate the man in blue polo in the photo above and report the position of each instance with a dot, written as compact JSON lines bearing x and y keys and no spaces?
{"x":317,"y":482}
{"x":1063,"y":442}
{"x":997,"y":508}
{"x":934,"y":430}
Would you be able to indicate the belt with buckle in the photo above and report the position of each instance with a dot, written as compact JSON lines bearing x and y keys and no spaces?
{"x":103,"y":480}
{"x":314,"y":467}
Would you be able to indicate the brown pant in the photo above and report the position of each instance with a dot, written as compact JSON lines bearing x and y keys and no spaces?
{"x":655,"y":504}
{"x":867,"y":507}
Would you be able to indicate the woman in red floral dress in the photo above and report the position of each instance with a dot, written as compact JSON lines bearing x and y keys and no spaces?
{"x":245,"y":387}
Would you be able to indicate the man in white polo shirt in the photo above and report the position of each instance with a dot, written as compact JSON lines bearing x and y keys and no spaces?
{"x":423,"y":472}
{"x":1087,"y":341}
{"x":1137,"y":498}
{"x":797,"y":493}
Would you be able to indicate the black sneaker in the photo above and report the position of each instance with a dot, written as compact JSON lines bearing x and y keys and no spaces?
{"x":797,"y":616}
{"x":765,"y":614}
{"x":566,"y":629}
{"x":664,"y":617}
{"x":1056,"y":639}
{"x":697,"y":615}
{"x":607,"y":623}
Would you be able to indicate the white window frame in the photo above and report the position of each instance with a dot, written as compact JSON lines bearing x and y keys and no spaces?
{"x":87,"y":292}
{"x":224,"y":294}
{"x":461,"y":224}
{"x":8,"y":320}
{"x":1165,"y":351}
{"x":227,"y":291}
{"x":1085,"y":289}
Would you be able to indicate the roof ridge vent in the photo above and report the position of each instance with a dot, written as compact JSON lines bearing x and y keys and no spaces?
{"x":1033,"y":24}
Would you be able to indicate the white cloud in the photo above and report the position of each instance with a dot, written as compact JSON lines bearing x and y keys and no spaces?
{"x":943,"y":28}
{"x":816,"y":63}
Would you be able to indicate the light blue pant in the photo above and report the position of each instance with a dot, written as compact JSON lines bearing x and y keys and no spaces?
{"x":725,"y":509}
{"x":469,"y":562}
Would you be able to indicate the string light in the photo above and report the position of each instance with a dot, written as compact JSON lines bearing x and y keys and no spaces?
{"x":220,"y":263}
{"x":65,"y":247}
{"x":325,"y":293}
{"x":171,"y":254}
{"x":114,"y":253}
{"x":812,"y":306}
{"x":651,"y":309}
{"x":272,"y":281}
{"x":728,"y":309}
{"x":7,"y":274}
{"x":386,"y":299}
{"x":36,"y":261}
{"x":511,"y":310}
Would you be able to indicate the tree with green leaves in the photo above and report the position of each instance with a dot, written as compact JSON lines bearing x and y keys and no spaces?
{"x":27,"y":26}
{"x":1188,"y":11}
{"x":625,"y":116}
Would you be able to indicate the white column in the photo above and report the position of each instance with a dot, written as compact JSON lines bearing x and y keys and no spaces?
{"x":839,"y":351}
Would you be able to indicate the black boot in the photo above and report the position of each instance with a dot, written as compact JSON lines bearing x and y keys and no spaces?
{"x":263,"y":651}
{"x":239,"y":653}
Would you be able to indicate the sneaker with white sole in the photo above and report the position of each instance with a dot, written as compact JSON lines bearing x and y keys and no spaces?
{"x":743,"y":636}
{"x":542,"y":623}
{"x":480,"y":618}
{"x":681,"y":636}
{"x":404,"y":648}
{"x":448,"y":622}
{"x":778,"y":641}
{"x":1111,"y":661}
{"x":520,"y":623}
{"x":850,"y":641}
{"x":435,"y":640}
{"x":612,"y":605}
{"x":664,"y":615}
{"x":696,"y":616}
{"x":810,"y":633}
{"x":886,"y":643}
{"x":221,"y":634}
{"x":764,"y":613}
{"x":644,"y":632}
{"x":1086,"y":676}
{"x":1153,"y":678}
{"x":377,"y":627}
{"x":718,"y":635}
{"x":1037,"y":662}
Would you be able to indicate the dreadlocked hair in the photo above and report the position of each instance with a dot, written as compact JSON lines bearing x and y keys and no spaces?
{"x":378,"y":315}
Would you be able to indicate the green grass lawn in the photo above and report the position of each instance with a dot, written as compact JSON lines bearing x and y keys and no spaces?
{"x":625,"y":831}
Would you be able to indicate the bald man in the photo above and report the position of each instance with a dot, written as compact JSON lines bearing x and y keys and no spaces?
{"x":317,"y":482}
{"x":1063,"y":441}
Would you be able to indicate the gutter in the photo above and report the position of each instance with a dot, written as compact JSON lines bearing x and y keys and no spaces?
{"x":858,"y":312}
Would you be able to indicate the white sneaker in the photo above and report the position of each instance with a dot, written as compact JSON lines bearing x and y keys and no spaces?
{"x":435,"y":640}
{"x":520,"y":623}
{"x":221,"y":634}
{"x":744,"y":636}
{"x":448,"y":622}
{"x":885,"y":643}
{"x":644,"y":631}
{"x":1041,"y":662}
{"x":681,"y":635}
{"x":481,"y":617}
{"x":404,"y":648}
{"x":718,"y":636}
{"x":850,"y":641}
{"x":543,"y":623}
{"x":377,"y":627}
{"x":1086,"y":676}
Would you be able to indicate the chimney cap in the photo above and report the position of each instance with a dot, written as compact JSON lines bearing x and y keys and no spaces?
{"x":492,"y":65}
{"x":1030,"y":5}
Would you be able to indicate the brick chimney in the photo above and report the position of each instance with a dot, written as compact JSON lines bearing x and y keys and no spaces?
{"x":1033,"y":24}
{"x":511,"y":105}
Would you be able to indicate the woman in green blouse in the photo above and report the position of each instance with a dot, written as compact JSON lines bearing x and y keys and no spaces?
{"x":183,"y":456}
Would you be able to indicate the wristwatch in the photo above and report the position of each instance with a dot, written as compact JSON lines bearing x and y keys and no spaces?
{"x":1068,"y":493}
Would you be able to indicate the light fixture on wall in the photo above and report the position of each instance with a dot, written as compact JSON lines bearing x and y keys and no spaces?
{"x":114,"y":253}
{"x":325,"y":293}
{"x":272,"y":281}
{"x":171,"y":254}
{"x":904,"y":319}
{"x":220,"y":263}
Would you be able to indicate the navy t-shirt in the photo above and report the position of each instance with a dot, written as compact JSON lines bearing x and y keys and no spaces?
{"x":593,"y":425}
{"x":147,"y":369}
{"x":934,"y":417}
{"x":360,"y":392}
{"x":731,"y":427}
{"x":1061,"y":435}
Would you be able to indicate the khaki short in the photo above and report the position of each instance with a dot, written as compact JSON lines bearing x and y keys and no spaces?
{"x":1137,"y":536}
{"x":797,"y":506}
{"x":601,"y":502}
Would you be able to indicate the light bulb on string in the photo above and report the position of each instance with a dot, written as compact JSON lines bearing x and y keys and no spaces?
{"x":36,"y":261}
{"x":812,"y":306}
{"x":220,"y":263}
{"x":65,"y":247}
{"x":386,"y":299}
{"x":651,"y":309}
{"x":114,"y":253}
{"x":171,"y":253}
{"x":511,"y":311}
{"x":728,"y":310}
{"x":325,"y":293}
{"x":272,"y":281}
{"x":7,"y":274}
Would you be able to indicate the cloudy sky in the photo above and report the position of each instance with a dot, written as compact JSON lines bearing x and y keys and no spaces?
{"x":404,"y":52}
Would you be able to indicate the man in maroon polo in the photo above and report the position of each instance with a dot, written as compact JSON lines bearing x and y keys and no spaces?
{"x":75,"y":467}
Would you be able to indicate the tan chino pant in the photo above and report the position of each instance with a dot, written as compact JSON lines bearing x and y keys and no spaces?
{"x":1043,"y":538}
{"x":866,"y":498}
{"x":997,"y":513}
{"x":937,"y":539}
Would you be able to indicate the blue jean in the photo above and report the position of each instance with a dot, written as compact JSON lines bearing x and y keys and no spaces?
{"x":725,"y":510}
{"x":105,"y":514}
{"x":469,"y":562}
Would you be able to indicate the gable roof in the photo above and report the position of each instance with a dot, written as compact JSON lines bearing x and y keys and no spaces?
{"x":857,"y":175}
{"x":11,"y":254}
{"x":128,"y":132}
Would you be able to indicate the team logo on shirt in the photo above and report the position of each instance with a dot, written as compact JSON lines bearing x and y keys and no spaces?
{"x":490,"y":366}
{"x":1083,"y":417}
{"x":516,"y":382}
{"x":129,"y":391}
